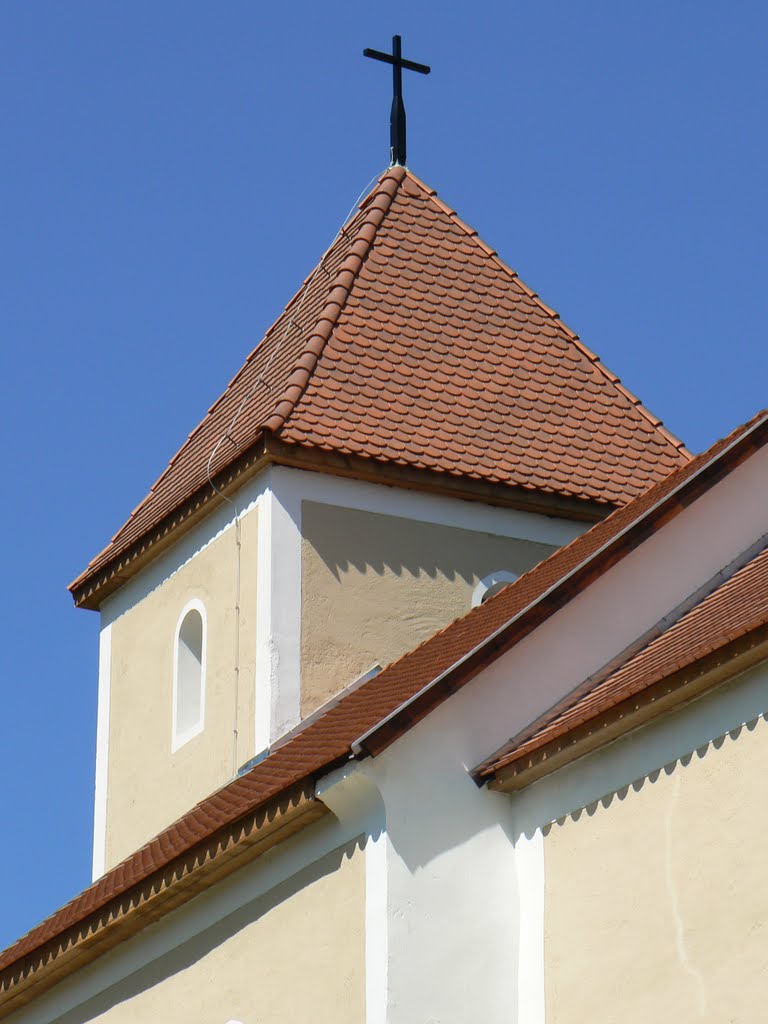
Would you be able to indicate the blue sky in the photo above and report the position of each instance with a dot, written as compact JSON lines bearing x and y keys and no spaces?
{"x":172,"y":170}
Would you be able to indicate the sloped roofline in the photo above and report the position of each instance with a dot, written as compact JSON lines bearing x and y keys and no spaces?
{"x":121,"y":559}
{"x":361,"y":723}
{"x":375,"y":207}
{"x":725,"y":633}
{"x":619,"y":541}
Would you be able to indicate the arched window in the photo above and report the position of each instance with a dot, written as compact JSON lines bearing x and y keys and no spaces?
{"x":189,"y":675}
{"x":491,"y":585}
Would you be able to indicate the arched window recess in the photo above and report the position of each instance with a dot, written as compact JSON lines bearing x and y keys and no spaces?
{"x":189,"y":653}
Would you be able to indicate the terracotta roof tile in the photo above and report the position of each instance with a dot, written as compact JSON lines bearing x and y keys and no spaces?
{"x":737,"y":607}
{"x":410,"y":304}
{"x":389,"y":702}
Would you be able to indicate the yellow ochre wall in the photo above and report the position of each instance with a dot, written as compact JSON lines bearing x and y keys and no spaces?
{"x":148,"y":787}
{"x":374,"y":586}
{"x":657,"y":905}
{"x":296,"y":954}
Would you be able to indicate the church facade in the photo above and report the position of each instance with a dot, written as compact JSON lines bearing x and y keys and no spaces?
{"x":432,"y":680}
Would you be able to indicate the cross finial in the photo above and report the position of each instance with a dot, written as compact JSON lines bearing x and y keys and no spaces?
{"x":397,"y":114}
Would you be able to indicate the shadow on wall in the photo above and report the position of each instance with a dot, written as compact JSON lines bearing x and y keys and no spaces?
{"x":578,"y":791}
{"x":346,"y":539}
{"x":661,"y":883}
{"x":191,"y":953}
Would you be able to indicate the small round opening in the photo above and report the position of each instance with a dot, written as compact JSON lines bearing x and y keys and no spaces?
{"x":491,"y":585}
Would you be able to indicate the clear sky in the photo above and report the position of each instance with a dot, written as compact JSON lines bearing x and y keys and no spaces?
{"x":171,"y":171}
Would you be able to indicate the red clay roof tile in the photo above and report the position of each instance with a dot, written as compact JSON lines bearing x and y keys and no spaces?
{"x":390,"y":702}
{"x":737,"y":607}
{"x":407,"y":283}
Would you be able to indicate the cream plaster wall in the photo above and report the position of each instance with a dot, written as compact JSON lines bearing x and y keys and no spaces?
{"x":656,"y":904}
{"x":374,"y":586}
{"x":148,"y":785}
{"x":297,"y":953}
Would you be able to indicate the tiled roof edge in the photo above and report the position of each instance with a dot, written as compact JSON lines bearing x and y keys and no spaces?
{"x":94,"y":921}
{"x":409,"y":712}
{"x":528,"y":740}
{"x":471,"y":233}
{"x":704,"y":669}
{"x":329,"y":741}
{"x":376,"y":206}
{"x":557,"y":727}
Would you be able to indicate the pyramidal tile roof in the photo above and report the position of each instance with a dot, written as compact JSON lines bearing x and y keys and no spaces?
{"x":413,"y":344}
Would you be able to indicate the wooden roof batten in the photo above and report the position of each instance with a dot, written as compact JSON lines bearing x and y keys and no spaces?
{"x":421,"y":356}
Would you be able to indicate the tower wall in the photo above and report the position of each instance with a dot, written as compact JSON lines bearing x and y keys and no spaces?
{"x":151,"y":783}
{"x":335,"y":575}
{"x":374,"y":586}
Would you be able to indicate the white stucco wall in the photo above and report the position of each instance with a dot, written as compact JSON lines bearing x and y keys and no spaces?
{"x":457,"y":890}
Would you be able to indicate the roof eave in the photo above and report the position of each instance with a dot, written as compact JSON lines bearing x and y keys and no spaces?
{"x":30,"y":975}
{"x":666,"y":695}
{"x":91,"y":588}
{"x":532,"y":615}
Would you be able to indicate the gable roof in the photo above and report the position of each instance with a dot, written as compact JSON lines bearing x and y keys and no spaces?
{"x":413,"y":344}
{"x":361,"y":722}
{"x":734,"y":610}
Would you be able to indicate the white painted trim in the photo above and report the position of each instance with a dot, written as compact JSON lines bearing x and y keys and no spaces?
{"x":352,"y":794}
{"x":286,"y":605}
{"x":485,"y":584}
{"x":278,"y":616}
{"x":428,"y":508}
{"x":711,"y":532}
{"x":197,"y":539}
{"x":278,"y":611}
{"x":102,"y":754}
{"x":376,"y":937}
{"x":179,"y":739}
{"x":266,"y":653}
{"x":529,"y":863}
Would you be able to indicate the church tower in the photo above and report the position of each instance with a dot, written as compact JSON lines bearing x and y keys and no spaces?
{"x":416,"y":430}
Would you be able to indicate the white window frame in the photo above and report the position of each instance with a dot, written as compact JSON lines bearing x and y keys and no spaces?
{"x":179,"y":739}
{"x":485,"y":584}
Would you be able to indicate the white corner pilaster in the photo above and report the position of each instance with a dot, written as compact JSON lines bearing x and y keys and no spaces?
{"x":102,"y":753}
{"x":376,"y":931}
{"x":353,"y":795}
{"x":529,"y":862}
{"x":278,"y":610}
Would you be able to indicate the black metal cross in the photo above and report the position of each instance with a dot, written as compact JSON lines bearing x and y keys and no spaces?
{"x":397,"y":114}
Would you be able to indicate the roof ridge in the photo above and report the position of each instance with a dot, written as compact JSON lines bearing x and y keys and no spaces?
{"x":472,"y":233}
{"x":376,"y":206}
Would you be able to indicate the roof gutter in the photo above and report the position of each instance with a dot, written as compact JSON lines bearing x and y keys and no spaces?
{"x":359,"y":745}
